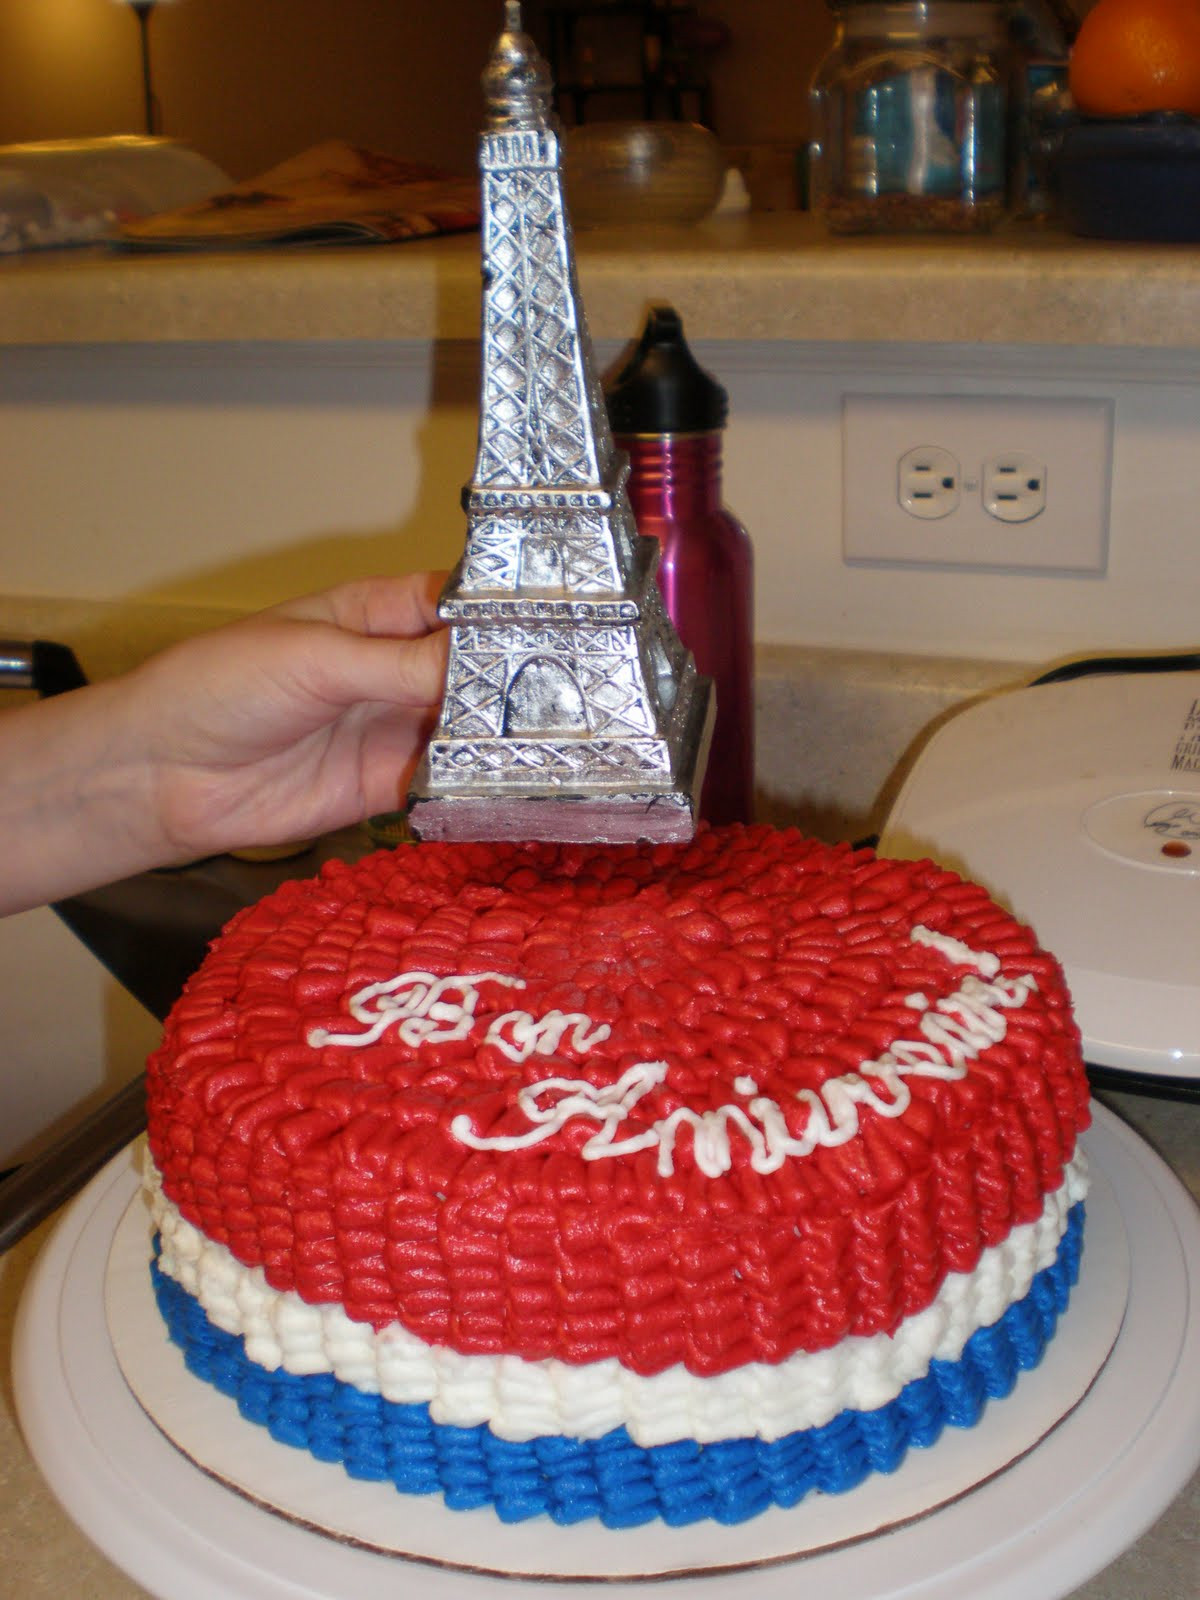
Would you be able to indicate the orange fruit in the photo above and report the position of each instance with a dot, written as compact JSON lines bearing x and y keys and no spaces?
{"x":1132,"y":56}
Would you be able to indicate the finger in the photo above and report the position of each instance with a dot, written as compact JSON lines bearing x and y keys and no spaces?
{"x":351,"y":667}
{"x":397,"y":739}
{"x":399,"y":607}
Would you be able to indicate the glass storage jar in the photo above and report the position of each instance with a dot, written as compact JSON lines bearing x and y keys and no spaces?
{"x":908,"y":117}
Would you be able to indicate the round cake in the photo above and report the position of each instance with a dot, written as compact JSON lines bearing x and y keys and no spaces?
{"x":621,"y":1182}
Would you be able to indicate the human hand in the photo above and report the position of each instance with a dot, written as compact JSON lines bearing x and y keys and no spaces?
{"x":292,"y":722}
{"x":281,"y":726}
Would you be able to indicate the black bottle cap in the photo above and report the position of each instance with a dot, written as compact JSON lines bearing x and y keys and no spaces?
{"x":662,"y":388}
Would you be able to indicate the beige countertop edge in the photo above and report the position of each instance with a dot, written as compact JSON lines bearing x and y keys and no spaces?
{"x":770,"y":276}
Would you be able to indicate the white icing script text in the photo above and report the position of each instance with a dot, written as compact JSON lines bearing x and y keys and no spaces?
{"x":954,"y":1031}
{"x":424,"y":1009}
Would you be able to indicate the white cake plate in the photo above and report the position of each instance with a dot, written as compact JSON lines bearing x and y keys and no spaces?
{"x":1033,"y":1532}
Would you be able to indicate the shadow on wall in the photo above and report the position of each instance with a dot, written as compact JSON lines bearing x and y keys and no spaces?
{"x":308,"y":454}
{"x":430,"y":535}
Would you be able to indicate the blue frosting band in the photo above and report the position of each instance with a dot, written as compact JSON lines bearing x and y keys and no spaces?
{"x":621,"y":1483}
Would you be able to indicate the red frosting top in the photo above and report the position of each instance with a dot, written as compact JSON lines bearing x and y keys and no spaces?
{"x":707,"y":1104}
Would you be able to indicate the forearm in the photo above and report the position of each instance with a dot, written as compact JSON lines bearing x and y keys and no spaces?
{"x":74,"y":797}
{"x":279,"y":727}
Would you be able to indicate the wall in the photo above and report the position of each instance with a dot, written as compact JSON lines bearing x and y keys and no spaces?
{"x":785,"y":477}
{"x":226,"y":478}
{"x":760,"y":83}
{"x":248,"y":82}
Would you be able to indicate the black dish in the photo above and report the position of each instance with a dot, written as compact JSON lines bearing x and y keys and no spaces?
{"x":1132,"y":178}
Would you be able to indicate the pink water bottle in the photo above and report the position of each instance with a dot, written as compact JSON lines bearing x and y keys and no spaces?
{"x":669,"y":415}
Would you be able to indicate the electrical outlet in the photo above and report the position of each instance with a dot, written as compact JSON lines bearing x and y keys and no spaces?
{"x":1012,"y":483}
{"x":927,"y":483}
{"x":1014,"y":487}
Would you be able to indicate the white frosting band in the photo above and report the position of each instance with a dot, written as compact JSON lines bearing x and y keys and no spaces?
{"x":522,"y":1400}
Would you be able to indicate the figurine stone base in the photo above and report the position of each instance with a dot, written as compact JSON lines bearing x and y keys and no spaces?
{"x":597,"y":814}
{"x":663,"y":818}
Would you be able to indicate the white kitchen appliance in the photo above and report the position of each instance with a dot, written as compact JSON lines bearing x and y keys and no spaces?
{"x":1077,"y":804}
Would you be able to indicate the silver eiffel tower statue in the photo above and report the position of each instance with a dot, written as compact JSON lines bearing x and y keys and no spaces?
{"x":571,"y":711}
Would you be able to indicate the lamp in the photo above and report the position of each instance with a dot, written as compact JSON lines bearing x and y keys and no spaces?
{"x":141,"y":10}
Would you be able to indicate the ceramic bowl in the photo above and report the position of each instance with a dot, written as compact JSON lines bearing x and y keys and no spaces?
{"x":641,"y":172}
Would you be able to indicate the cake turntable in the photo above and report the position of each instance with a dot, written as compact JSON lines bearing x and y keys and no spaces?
{"x":1031,"y":1531}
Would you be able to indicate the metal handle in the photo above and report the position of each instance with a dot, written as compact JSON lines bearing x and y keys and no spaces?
{"x":38,"y":664}
{"x":16,"y":665}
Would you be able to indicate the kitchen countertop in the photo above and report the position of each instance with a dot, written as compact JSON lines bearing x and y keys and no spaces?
{"x":43,"y":1554}
{"x":768,"y":276}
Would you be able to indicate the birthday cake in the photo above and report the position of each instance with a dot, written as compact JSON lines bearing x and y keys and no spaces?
{"x":638,"y":1182}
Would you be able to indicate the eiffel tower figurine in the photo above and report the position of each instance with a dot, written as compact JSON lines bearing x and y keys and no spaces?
{"x":571,"y":711}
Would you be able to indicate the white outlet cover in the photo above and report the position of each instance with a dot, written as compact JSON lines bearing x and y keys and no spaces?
{"x":1071,"y":436}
